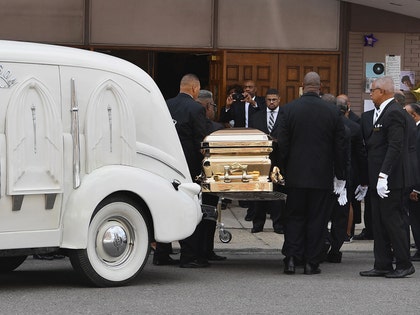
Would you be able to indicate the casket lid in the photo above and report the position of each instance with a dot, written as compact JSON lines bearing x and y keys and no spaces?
{"x":237,"y":137}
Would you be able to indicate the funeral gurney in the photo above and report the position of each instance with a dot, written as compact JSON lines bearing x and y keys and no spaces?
{"x":237,"y":166}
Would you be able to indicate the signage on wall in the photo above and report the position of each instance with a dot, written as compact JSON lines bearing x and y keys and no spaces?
{"x":373,"y":70}
{"x":393,"y":69}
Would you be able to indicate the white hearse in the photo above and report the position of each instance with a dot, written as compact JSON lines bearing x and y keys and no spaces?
{"x":90,"y":163}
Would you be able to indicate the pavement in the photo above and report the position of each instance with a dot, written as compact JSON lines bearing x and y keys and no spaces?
{"x":233,"y":219}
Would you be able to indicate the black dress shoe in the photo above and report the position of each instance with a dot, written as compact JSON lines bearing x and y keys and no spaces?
{"x":165,"y":261}
{"x":311,"y":269}
{"x":334,"y":257}
{"x":374,"y":273}
{"x":256,"y":230}
{"x":415,"y":257}
{"x":400,"y":273}
{"x":279,"y":230}
{"x":215,"y":257}
{"x":289,"y":266}
{"x":195,"y":264}
{"x":362,"y":236}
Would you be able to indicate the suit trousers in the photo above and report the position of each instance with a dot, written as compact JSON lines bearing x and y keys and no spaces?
{"x":274,"y":207}
{"x":307,"y":211}
{"x":414,"y":208}
{"x":339,"y":220}
{"x":389,"y":217}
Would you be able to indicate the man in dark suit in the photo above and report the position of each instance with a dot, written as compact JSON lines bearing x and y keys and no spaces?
{"x":366,"y":125}
{"x":356,"y":163}
{"x":189,"y":118}
{"x":355,"y":208}
{"x":389,"y":149}
{"x":311,"y":151}
{"x":267,"y":121}
{"x":240,"y":106}
{"x":414,"y":195}
{"x":205,"y":98}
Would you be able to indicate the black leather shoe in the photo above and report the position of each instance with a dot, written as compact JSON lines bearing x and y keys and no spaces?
{"x":362,"y":236}
{"x":289,"y":266}
{"x":415,"y":257}
{"x":215,"y":257}
{"x":165,"y":261}
{"x":374,"y":273}
{"x":334,"y":257}
{"x":400,"y":273}
{"x":279,"y":230}
{"x":194,"y":264}
{"x":256,"y":230}
{"x":311,"y":269}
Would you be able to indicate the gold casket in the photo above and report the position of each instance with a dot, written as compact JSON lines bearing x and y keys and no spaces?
{"x":237,"y":160}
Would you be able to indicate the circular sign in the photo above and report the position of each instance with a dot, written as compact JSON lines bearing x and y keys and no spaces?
{"x":378,"y":68}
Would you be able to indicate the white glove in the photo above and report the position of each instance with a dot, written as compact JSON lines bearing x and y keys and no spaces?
{"x":382,"y":187}
{"x":360,"y":192}
{"x":342,"y":198}
{"x":339,"y":185}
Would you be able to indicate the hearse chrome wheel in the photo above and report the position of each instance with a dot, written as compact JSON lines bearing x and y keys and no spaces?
{"x":118,"y":244}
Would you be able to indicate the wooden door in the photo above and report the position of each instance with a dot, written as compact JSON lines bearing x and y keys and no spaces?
{"x":293,"y":67}
{"x":217,"y":80}
{"x":259,"y":67}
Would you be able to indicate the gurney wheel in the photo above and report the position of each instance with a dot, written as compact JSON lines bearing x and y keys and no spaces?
{"x":225,"y":236}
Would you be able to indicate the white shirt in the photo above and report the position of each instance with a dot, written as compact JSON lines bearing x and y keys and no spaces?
{"x":246,"y":111}
{"x":378,"y":111}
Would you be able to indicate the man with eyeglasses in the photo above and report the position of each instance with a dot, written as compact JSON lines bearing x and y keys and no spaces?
{"x":267,"y":121}
{"x":390,"y":147}
{"x":206,"y":243}
{"x":241,"y":106}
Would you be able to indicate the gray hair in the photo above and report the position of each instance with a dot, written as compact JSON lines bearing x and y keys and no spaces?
{"x":385,"y":83}
{"x":329,"y":98}
{"x":205,"y":94}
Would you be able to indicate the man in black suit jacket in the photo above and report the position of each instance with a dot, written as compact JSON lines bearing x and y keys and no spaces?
{"x":390,"y":148}
{"x":267,"y":121}
{"x":356,"y":163}
{"x":311,"y":149}
{"x":205,"y":98}
{"x":414,"y":195}
{"x":189,"y":118}
{"x":240,"y":110}
{"x":366,"y":125}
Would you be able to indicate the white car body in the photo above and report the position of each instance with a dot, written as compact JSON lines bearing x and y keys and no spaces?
{"x":75,"y":128}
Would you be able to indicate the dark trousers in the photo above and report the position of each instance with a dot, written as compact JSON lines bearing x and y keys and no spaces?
{"x":307,"y":212}
{"x":192,"y":246}
{"x":339,"y":219}
{"x":367,"y":215}
{"x":414,"y":213}
{"x":390,"y":230}
{"x":274,"y":207}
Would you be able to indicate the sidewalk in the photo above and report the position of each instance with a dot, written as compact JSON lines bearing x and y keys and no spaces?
{"x":266,"y":241}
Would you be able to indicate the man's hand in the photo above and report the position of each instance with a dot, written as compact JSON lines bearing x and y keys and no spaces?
{"x":360,"y":192}
{"x":339,"y":185}
{"x":382,"y":187}
{"x":414,"y":196}
{"x":342,"y":198}
{"x":229,"y":101}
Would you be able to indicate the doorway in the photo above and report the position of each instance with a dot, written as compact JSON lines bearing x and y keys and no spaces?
{"x":170,"y":67}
